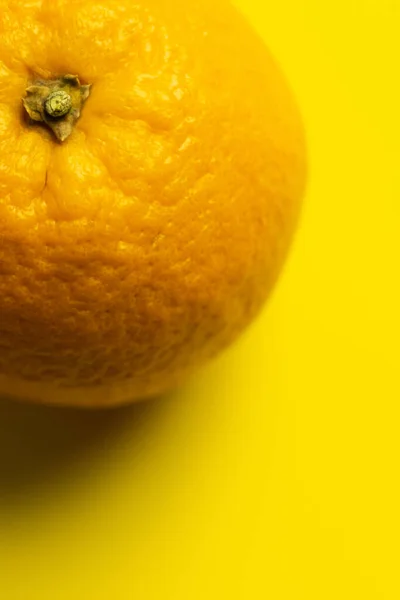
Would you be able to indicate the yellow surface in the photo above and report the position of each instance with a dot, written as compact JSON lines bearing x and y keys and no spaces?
{"x":275,"y":473}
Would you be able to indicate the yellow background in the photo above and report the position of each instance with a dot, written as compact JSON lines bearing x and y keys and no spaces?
{"x":275,"y":474}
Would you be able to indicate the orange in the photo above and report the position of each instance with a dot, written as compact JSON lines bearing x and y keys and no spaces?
{"x":143,"y":243}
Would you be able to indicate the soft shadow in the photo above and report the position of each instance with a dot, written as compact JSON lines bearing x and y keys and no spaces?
{"x":38,"y":444}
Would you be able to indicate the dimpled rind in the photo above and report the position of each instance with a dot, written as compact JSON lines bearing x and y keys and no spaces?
{"x":145,"y":243}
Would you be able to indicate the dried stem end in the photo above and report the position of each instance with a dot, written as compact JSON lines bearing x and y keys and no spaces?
{"x":57,"y":103}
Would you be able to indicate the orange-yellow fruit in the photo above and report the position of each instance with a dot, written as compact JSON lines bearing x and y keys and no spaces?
{"x":144,"y":243}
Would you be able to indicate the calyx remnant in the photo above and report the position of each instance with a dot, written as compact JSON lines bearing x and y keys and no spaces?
{"x":57,"y":103}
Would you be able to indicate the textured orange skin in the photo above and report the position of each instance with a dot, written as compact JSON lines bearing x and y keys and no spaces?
{"x":145,"y":243}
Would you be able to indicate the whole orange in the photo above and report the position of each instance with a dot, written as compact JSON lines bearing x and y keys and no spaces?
{"x":152,"y":165}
